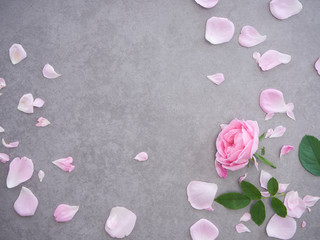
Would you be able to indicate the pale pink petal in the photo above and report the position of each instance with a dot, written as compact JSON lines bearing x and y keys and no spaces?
{"x":283,"y":9}
{"x":286,"y":149}
{"x":120,"y":222}
{"x":1,"y":129}
{"x":245,"y":217}
{"x":269,"y":116}
{"x":303,"y":224}
{"x":17,"y":53}
{"x":243,"y":177}
{"x":256,"y":56}
{"x":317,"y":65}
{"x":241,"y":228}
{"x":222,"y":126}
{"x":222,"y":172}
{"x":294,"y":204}
{"x":26,"y":103}
{"x":256,"y":164}
{"x":38,"y":102}
{"x":281,"y":228}
{"x":217,"y":78}
{"x":278,"y":132}
{"x":20,"y":170}
{"x":269,"y":132}
{"x":65,"y":164}
{"x":207,"y":3}
{"x":26,"y":204}
{"x":201,"y":194}
{"x":204,"y":230}
{"x":42,"y":122}
{"x":4,"y":157}
{"x":290,"y":108}
{"x":143,"y":156}
{"x":250,"y":37}
{"x":310,"y":201}
{"x":2,"y":83}
{"x":264,"y":178}
{"x":271,"y":59}
{"x":219,"y":30}
{"x":11,"y":144}
{"x":283,"y":187}
{"x":49,"y":72}
{"x":309,"y":209}
{"x":41,"y":175}
{"x":64,"y":212}
{"x":265,"y":194}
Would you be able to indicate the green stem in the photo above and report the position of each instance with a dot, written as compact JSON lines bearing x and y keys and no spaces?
{"x":277,"y":195}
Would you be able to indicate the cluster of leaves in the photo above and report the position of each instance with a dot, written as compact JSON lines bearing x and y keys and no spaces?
{"x":235,"y":200}
{"x":309,"y":154}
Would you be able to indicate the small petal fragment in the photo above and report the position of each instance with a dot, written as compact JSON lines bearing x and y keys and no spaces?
{"x":120,"y":222}
{"x":11,"y":144}
{"x":265,"y":194}
{"x":283,"y":9}
{"x":26,"y":103}
{"x":4,"y":157}
{"x":41,"y":175}
{"x":38,"y":102}
{"x":20,"y":170}
{"x":64,"y":212}
{"x":285,"y":149}
{"x":26,"y":204}
{"x":310,"y":201}
{"x":65,"y":164}
{"x":201,"y":194}
{"x":250,"y":37}
{"x":294,"y":204}
{"x":283,"y":187}
{"x":204,"y":230}
{"x":317,"y":65}
{"x":271,"y":59}
{"x":303,"y":224}
{"x":222,"y":172}
{"x":207,"y":3}
{"x":2,"y":83}
{"x":243,"y":177}
{"x":17,"y":53}
{"x":281,"y":228}
{"x":1,"y":129}
{"x":219,"y":30}
{"x":217,"y":78}
{"x":256,"y":164}
{"x":245,"y":217}
{"x":241,"y":228}
{"x":141,"y":157}
{"x":277,"y":132}
{"x":42,"y":122}
{"x":49,"y":72}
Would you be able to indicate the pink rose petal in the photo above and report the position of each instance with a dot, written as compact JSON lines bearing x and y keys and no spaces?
{"x":41,"y":175}
{"x":201,"y":194}
{"x":264,"y":179}
{"x":271,"y":59}
{"x":2,"y":83}
{"x":217,"y":78}
{"x":309,"y":209}
{"x":245,"y":217}
{"x":11,"y":144}
{"x":285,"y":149}
{"x":243,"y":177}
{"x":310,"y":201}
{"x":20,"y":170}
{"x":283,"y":187}
{"x":269,"y":132}
{"x":277,"y":132}
{"x":283,"y":9}
{"x":49,"y":72}
{"x":265,"y":194}
{"x":26,"y":204}
{"x":1,"y":129}
{"x":256,"y":163}
{"x":281,"y":228}
{"x":303,"y":224}
{"x":26,"y":103}
{"x":38,"y":102}
{"x":143,"y":156}
{"x":64,"y":212}
{"x":4,"y":157}
{"x":207,"y":3}
{"x":17,"y":53}
{"x":295,"y":205}
{"x":42,"y":122}
{"x":241,"y":228}
{"x":120,"y":222}
{"x":204,"y":230}
{"x":250,"y":37}
{"x":65,"y":164}
{"x":222,"y":172}
{"x":219,"y":30}
{"x":317,"y":65}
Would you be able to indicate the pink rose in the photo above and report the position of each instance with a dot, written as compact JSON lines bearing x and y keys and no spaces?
{"x":236,"y":144}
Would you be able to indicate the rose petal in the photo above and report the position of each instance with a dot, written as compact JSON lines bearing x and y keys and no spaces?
{"x":20,"y":170}
{"x":120,"y":222}
{"x":204,"y":230}
{"x":49,"y":72}
{"x":285,"y":149}
{"x":1,"y":129}
{"x":309,"y":209}
{"x":65,"y":164}
{"x":42,"y":122}
{"x":317,"y":65}
{"x":310,"y":201}
{"x":17,"y":53}
{"x":245,"y":217}
{"x":222,"y":172}
{"x":26,"y":204}
{"x":11,"y":144}
{"x":281,"y":228}
{"x":201,"y":194}
{"x":243,"y":177}
{"x":294,"y":204}
{"x":217,"y":78}
{"x":207,"y":3}
{"x":282,"y":187}
{"x":283,"y":9}
{"x":38,"y":102}
{"x":264,"y":178}
{"x":4,"y":157}
{"x":241,"y":228}
{"x":278,"y":132}
{"x":41,"y":175}
{"x":269,"y":132}
{"x":64,"y":212}
{"x":26,"y":103}
{"x":256,"y":163}
{"x":2,"y":83}
{"x":303,"y":224}
{"x":271,"y":59}
{"x":265,"y":194}
{"x":250,"y":37}
{"x":219,"y":30}
{"x":143,"y":156}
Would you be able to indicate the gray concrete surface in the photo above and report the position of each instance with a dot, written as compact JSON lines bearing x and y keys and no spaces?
{"x":134,"y":79}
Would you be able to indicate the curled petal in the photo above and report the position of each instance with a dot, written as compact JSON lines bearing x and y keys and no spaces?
{"x":42,"y":122}
{"x":281,"y":228}
{"x":26,"y":204}
{"x":64,"y":212}
{"x":222,"y":172}
{"x":309,"y":209}
{"x":41,"y":175}
{"x":201,"y":194}
{"x":65,"y":164}
{"x":283,"y":9}
{"x":265,"y":194}
{"x":120,"y":222}
{"x":317,"y":65}
{"x":2,"y":83}
{"x":256,"y":164}
{"x":286,"y":149}
{"x":38,"y":102}
{"x":207,"y":3}
{"x":26,"y":103}
{"x":219,"y":30}
{"x":243,"y":177}
{"x":20,"y":170}
{"x":250,"y":37}
{"x":49,"y":72}
{"x":294,"y":204}
{"x":4,"y":157}
{"x":204,"y":230}
{"x":303,"y":224}
{"x":11,"y":144}
{"x":310,"y":201}
{"x":278,"y":132}
{"x":241,"y":228}
{"x":271,"y":59}
{"x":245,"y":217}
{"x":143,"y":156}
{"x":217,"y":78}
{"x":17,"y":53}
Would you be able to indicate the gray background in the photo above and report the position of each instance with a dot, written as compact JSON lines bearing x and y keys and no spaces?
{"x":134,"y":79}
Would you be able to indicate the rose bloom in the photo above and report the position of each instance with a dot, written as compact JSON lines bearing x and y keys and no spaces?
{"x":236,"y":144}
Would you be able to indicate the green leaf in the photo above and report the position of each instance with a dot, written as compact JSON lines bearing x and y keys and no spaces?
{"x":279,"y":208}
{"x":273,"y":186}
{"x":250,"y":190}
{"x":258,"y":212}
{"x":265,"y":161}
{"x":233,"y":200}
{"x":262,"y":136}
{"x":263,"y":151}
{"x":309,"y":154}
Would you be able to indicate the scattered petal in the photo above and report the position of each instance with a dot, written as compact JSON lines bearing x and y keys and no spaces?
{"x":309,"y":209}
{"x":20,"y":170}
{"x":26,"y":204}
{"x":64,"y":212}
{"x":65,"y":164}
{"x":241,"y":228}
{"x":49,"y":72}
{"x":2,"y":83}
{"x":303,"y":224}
{"x":38,"y":102}
{"x":243,"y":177}
{"x":201,"y":194}
{"x":269,"y":132}
{"x":245,"y":217}
{"x":207,"y":3}
{"x":256,"y":163}
{"x":283,"y":9}
{"x":286,"y":149}
{"x":1,"y":129}
{"x":204,"y":230}
{"x":219,"y":30}
{"x":264,"y":178}
{"x":278,"y":132}
{"x":283,"y":187}
{"x":250,"y":37}
{"x":317,"y":65}
{"x":42,"y":122}
{"x":120,"y":222}
{"x":281,"y":228}
{"x":295,"y":205}
{"x":17,"y":53}
{"x":11,"y":144}
{"x":222,"y":172}
{"x":4,"y":157}
{"x":26,"y":103}
{"x":256,"y":56}
{"x":41,"y":175}
{"x":265,"y":194}
{"x":217,"y":78}
{"x":310,"y":201}
{"x":271,"y":59}
{"x":143,"y":156}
